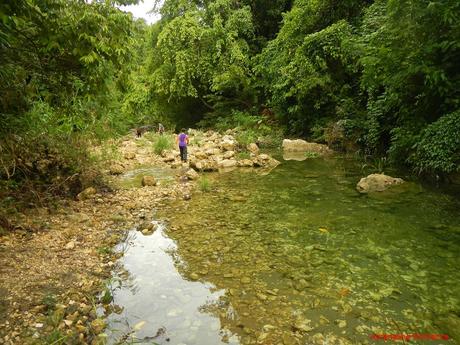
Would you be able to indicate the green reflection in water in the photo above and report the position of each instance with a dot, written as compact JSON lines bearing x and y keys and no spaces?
{"x":304,"y":258}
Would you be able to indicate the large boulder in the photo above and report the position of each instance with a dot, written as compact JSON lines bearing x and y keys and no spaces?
{"x":299,"y":145}
{"x":377,"y":183}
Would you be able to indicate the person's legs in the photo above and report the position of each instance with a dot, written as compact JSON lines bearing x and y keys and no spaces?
{"x":181,"y":149}
{"x":185,"y":153}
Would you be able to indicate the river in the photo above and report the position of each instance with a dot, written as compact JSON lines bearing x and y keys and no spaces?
{"x":293,"y":256}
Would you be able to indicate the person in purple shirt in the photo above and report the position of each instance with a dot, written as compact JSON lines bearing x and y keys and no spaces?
{"x":182,"y":140}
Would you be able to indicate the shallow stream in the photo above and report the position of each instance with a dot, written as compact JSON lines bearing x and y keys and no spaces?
{"x":293,"y":256}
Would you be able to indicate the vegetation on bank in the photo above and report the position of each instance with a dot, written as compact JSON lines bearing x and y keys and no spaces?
{"x":380,"y":77}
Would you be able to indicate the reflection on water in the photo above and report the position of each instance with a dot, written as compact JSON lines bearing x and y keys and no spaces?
{"x":297,"y":257}
{"x":134,"y":177}
{"x":158,"y":305}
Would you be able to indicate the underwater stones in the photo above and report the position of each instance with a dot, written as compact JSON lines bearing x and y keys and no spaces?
{"x":261,"y":296}
{"x":194,"y":276}
{"x":98,"y":326}
{"x":377,"y":183}
{"x":149,"y":181}
{"x":245,"y":163}
{"x":341,"y":323}
{"x":301,"y":324}
{"x":245,"y":280}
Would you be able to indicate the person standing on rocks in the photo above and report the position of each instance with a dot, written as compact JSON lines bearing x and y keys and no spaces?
{"x":161,"y":129}
{"x":182,"y":140}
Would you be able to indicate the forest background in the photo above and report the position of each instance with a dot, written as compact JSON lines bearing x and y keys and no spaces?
{"x":380,"y":78}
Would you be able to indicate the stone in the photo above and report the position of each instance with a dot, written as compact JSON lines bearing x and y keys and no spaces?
{"x":377,"y":183}
{"x":70,"y":245}
{"x":227,"y":145}
{"x":116,"y":169}
{"x":192,"y":174}
{"x":87,"y":193}
{"x":264,"y":157}
{"x":227,"y":163}
{"x":169,"y":158}
{"x":299,"y":145}
{"x":129,"y":155}
{"x":187,"y":197}
{"x":252,"y":147}
{"x":98,"y":326}
{"x":200,"y":155}
{"x":212,"y":151}
{"x":149,"y":181}
{"x":245,"y":163}
{"x":229,"y":154}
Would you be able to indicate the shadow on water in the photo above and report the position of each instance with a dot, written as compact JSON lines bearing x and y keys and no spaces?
{"x":294,"y":257}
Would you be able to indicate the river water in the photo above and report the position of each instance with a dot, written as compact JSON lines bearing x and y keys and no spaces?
{"x":293,"y":256}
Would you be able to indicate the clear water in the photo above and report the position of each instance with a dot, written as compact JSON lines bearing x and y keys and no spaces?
{"x":295,"y":256}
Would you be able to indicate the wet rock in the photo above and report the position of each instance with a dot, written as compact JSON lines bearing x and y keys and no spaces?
{"x":341,"y":323}
{"x":98,"y":326}
{"x":116,"y":169}
{"x":261,"y":296}
{"x":87,"y":193}
{"x":300,"y":145}
{"x":303,"y":325}
{"x":377,"y":183}
{"x":149,"y":181}
{"x":194,"y":276}
{"x":245,"y":280}
{"x":192,"y":174}
{"x":245,"y":163}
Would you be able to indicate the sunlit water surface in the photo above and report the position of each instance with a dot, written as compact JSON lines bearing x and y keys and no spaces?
{"x":293,"y":256}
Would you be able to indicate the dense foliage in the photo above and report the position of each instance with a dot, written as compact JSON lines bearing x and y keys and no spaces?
{"x":378,"y":76}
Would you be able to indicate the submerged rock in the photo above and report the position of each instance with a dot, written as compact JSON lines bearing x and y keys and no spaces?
{"x":377,"y":183}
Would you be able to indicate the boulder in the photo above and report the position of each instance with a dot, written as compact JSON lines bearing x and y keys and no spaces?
{"x":192,"y":174}
{"x":377,"y":183}
{"x":253,"y":148}
{"x":87,"y":193}
{"x":299,"y":145}
{"x":149,"y":181}
{"x":227,"y":163}
{"x":116,"y":169}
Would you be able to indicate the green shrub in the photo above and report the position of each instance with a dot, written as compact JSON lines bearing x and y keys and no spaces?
{"x":161,"y":143}
{"x":439,"y":147}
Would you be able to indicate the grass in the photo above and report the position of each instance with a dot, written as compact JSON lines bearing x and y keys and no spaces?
{"x":161,"y":143}
{"x":243,"y":155}
{"x":204,"y":184}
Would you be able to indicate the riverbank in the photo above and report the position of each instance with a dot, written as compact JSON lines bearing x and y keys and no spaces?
{"x":57,"y":261}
